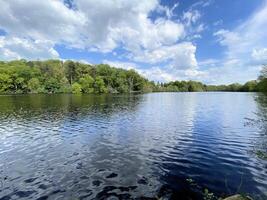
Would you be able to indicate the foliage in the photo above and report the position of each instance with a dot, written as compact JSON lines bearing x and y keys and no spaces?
{"x":99,"y":85}
{"x":34,"y":85}
{"x":261,"y":154}
{"x":56,"y":76}
{"x":262,"y":85}
{"x":87,"y":84}
{"x":76,"y":88}
{"x":208,"y":195}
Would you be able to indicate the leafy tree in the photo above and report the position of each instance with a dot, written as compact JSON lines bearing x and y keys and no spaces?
{"x":76,"y":88}
{"x":87,"y":84}
{"x":99,"y":85}
{"x":250,"y":86}
{"x":34,"y":85}
{"x":5,"y":83}
{"x":56,"y":76}
{"x":262,"y":86}
{"x":70,"y":70}
{"x":51,"y":85}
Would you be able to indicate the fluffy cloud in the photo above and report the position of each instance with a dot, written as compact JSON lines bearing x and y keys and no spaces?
{"x":248,"y":36}
{"x":246,"y":50}
{"x":181,"y":56}
{"x":191,"y":17}
{"x":259,"y":55}
{"x":33,"y":29}
{"x":17,"y":48}
{"x":123,"y":65}
{"x":159,"y":73}
{"x":40,"y":20}
{"x":98,"y":25}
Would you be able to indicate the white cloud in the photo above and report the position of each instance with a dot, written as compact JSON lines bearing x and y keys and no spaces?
{"x":181,"y":56}
{"x":168,"y":11}
{"x":191,"y":17}
{"x":218,"y":22}
{"x":120,"y":64}
{"x":153,"y":73}
{"x":246,"y":50}
{"x":17,"y":48}
{"x":40,"y":20}
{"x":97,"y":25}
{"x":248,"y":36}
{"x":34,"y":28}
{"x":260,"y":55}
{"x":159,"y":73}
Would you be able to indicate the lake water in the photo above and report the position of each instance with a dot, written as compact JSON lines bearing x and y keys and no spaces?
{"x":169,"y":145}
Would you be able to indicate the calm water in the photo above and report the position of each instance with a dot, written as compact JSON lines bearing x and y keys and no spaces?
{"x":170,"y":145}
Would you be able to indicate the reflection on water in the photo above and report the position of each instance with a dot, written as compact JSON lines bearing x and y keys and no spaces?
{"x":131,"y":147}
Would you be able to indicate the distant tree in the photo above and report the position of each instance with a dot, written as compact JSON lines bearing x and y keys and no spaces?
{"x":70,"y":70}
{"x":99,"y":85}
{"x":87,"y":84}
{"x":250,"y":86}
{"x":76,"y":88}
{"x":51,"y":85}
{"x":5,"y":83}
{"x":34,"y":85}
{"x":262,"y":85}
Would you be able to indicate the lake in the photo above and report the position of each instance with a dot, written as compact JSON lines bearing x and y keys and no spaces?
{"x":169,"y":145}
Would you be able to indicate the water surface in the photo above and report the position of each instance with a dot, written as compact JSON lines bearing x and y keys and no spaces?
{"x":171,"y":145}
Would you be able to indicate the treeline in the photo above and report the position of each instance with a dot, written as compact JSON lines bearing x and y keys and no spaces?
{"x":56,"y":76}
{"x":194,"y":86}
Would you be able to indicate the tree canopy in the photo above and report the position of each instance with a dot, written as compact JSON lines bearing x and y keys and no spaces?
{"x":56,"y":76}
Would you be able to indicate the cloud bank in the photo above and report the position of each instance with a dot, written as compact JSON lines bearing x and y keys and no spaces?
{"x":147,"y":32}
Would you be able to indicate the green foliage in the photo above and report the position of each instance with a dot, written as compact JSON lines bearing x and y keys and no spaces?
{"x":51,"y":85}
{"x":87,"y":84}
{"x":99,"y":85}
{"x":250,"y":86}
{"x":34,"y":85}
{"x":208,"y":195}
{"x":262,"y":85}
{"x":76,"y":88}
{"x":56,"y":76}
{"x":261,"y":154}
{"x":5,"y":83}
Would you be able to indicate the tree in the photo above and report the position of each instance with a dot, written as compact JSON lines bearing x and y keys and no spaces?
{"x":5,"y":83}
{"x":70,"y":70}
{"x":250,"y":86}
{"x":87,"y":84}
{"x":76,"y":88}
{"x":51,"y":85}
{"x":99,"y":85}
{"x":262,"y":85}
{"x":34,"y":85}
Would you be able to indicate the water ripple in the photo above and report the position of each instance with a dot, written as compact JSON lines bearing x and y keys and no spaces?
{"x":131,"y":147}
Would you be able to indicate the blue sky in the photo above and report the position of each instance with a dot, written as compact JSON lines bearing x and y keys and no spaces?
{"x":214,"y":41}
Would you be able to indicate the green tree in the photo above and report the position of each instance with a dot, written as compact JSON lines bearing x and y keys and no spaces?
{"x":250,"y":86}
{"x":262,"y":85}
{"x":76,"y":88}
{"x":51,"y":85}
{"x":34,"y":85}
{"x":5,"y":83}
{"x":87,"y":84}
{"x":99,"y":85}
{"x":70,"y":70}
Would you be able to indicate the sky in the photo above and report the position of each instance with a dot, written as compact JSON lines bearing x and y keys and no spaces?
{"x":213,"y":41}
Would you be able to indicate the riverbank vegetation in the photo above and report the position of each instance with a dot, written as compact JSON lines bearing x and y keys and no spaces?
{"x":56,"y":76}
